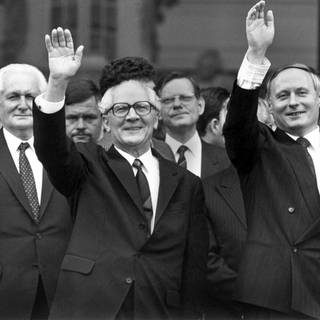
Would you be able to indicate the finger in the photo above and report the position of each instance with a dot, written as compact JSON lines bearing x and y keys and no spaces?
{"x":68,"y":37}
{"x":48,"y":43}
{"x":79,"y":53}
{"x":54,"y":38}
{"x":270,"y":19}
{"x":261,"y":10}
{"x":61,"y":38}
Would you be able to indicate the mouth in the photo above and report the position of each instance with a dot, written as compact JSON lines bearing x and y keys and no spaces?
{"x":133,"y":129}
{"x":295,"y":114}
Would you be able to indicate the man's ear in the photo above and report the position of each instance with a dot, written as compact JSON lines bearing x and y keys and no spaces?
{"x":201,"y":103}
{"x":105,"y":123}
{"x":213,"y":126}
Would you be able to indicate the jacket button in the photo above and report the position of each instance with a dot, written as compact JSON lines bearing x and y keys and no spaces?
{"x":129,"y":280}
{"x":38,"y":235}
{"x":295,"y":250}
{"x":142,"y":226}
{"x":291,"y":210}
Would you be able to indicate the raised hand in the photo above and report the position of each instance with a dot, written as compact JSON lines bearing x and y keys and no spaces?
{"x":259,"y":28}
{"x":64,"y":62}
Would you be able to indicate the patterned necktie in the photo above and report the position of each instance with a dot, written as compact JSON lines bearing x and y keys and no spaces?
{"x":182,"y":159}
{"x":28,"y":181}
{"x":144,"y":190}
{"x":305,"y":143}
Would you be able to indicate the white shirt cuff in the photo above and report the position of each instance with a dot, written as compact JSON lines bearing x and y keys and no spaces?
{"x":250,"y":76}
{"x":48,"y":106}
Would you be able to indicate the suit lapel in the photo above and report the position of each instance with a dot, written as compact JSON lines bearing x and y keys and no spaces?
{"x":122,"y":169}
{"x":9,"y":171}
{"x":169,"y":179}
{"x":306,"y":181}
{"x":47,"y":190}
{"x":230,"y":190}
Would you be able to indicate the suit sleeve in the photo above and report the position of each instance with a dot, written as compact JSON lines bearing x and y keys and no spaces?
{"x":241,"y":129}
{"x":57,"y":153}
{"x":194,"y":275}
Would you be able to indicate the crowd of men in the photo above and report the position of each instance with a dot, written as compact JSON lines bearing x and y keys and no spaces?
{"x":146,"y":199}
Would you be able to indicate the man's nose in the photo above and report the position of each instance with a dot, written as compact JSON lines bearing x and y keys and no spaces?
{"x":132,"y":114}
{"x":176,"y":102}
{"x":293,"y":99}
{"x":80,"y":123}
{"x":24,"y":103}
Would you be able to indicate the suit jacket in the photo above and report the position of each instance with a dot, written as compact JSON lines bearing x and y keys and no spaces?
{"x":28,"y":250}
{"x":281,"y":262}
{"x":110,"y":252}
{"x":228,"y":231}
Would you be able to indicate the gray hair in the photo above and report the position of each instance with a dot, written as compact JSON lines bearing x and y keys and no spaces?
{"x":22,"y":68}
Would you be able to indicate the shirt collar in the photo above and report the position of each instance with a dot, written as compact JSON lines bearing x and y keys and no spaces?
{"x":146,"y":158}
{"x":192,"y":144}
{"x":14,"y":142}
{"x":313,"y":137}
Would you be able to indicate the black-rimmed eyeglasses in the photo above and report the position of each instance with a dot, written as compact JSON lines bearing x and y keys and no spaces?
{"x":121,"y":109}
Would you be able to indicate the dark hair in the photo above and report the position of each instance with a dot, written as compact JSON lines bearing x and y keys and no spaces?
{"x":127,"y":68}
{"x":177,"y":75}
{"x":79,"y":90}
{"x":214,"y":98}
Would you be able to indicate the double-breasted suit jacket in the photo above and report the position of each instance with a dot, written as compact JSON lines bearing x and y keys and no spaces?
{"x":110,"y":252}
{"x":28,"y":249}
{"x":281,"y":262}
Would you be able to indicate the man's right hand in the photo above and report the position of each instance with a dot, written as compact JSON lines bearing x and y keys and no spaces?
{"x":64,"y":62}
{"x":260,"y":32}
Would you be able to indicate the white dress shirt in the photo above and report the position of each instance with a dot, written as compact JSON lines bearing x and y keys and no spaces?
{"x":193,"y":155}
{"x":151,"y":170}
{"x":13,"y":144}
{"x":250,"y":76}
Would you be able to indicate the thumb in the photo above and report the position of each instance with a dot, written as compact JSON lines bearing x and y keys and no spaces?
{"x":269,"y":19}
{"x":78,"y":54}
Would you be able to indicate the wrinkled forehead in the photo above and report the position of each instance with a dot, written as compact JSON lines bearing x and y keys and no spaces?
{"x":20,"y":82}
{"x":292,"y":76}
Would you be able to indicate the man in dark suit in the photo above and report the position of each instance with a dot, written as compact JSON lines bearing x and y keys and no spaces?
{"x":279,"y":273}
{"x":181,"y":106}
{"x":139,"y":245}
{"x":34,"y":224}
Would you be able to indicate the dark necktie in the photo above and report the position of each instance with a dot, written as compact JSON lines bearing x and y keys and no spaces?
{"x":28,"y":181}
{"x":305,"y":143}
{"x":144,"y":190}
{"x":182,"y":159}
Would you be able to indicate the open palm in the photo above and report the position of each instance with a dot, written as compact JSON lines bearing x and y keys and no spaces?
{"x":64,"y":62}
{"x":259,"y":28}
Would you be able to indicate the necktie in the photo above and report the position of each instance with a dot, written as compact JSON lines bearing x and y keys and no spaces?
{"x":144,"y":190}
{"x":182,"y":159}
{"x":305,"y":143}
{"x":28,"y":181}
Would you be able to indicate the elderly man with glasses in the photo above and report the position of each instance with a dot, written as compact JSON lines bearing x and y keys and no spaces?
{"x":138,"y":250}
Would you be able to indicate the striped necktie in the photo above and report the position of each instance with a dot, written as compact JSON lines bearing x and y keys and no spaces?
{"x":182,"y":159}
{"x":28,"y":182}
